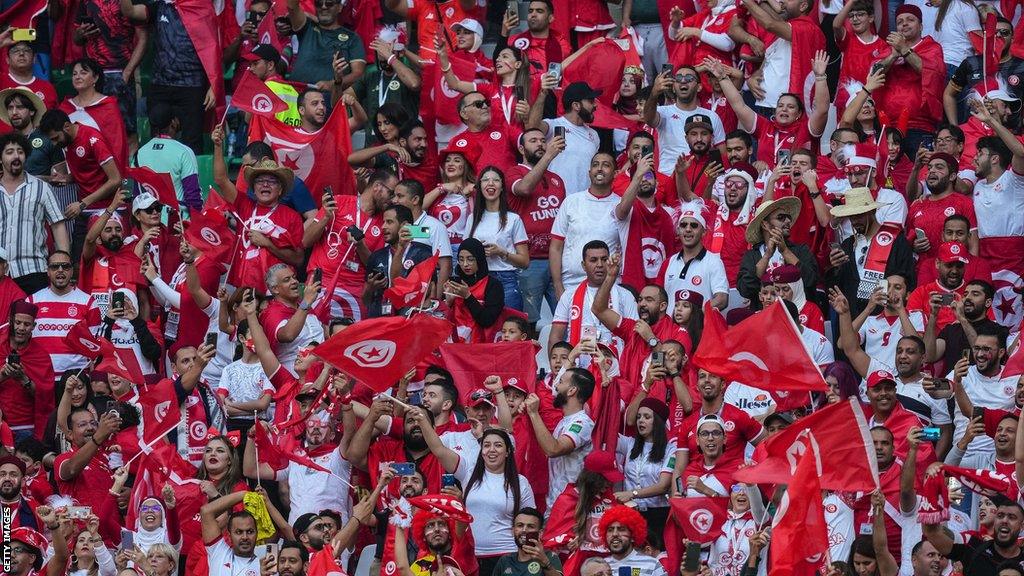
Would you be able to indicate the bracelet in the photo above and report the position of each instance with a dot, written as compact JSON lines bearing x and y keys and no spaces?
{"x":106,"y":211}
{"x":865,"y":89}
{"x":52,"y":528}
{"x":448,"y":69}
{"x":96,"y":442}
{"x":391,"y":59}
{"x":821,"y":77}
{"x":904,"y":54}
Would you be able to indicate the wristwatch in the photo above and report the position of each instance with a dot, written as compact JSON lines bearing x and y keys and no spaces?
{"x":305,"y":305}
{"x":653,"y":341}
{"x":636,"y":493}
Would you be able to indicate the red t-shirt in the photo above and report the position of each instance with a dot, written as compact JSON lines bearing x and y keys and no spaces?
{"x":734,"y":240}
{"x":333,"y":245}
{"x":38,"y":86}
{"x":495,"y":144}
{"x":91,"y":487}
{"x":193,"y":323}
{"x":86,"y":155}
{"x":276,"y":313}
{"x":279,"y":223}
{"x":857,"y":55}
{"x":771,"y":138}
{"x":929,"y":214}
{"x":538,"y":210}
{"x":426,"y":14}
{"x":919,"y":298}
{"x":740,"y":429}
{"x":385,"y":451}
{"x":554,"y":48}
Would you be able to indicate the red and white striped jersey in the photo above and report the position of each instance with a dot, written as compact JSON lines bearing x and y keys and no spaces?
{"x":57,"y":314}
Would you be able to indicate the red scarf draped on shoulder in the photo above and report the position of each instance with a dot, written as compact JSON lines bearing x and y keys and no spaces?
{"x":463,"y":318}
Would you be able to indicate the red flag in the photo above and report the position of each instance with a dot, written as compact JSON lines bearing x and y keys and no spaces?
{"x":607,"y":411}
{"x":82,"y":341}
{"x":313,"y":156}
{"x":444,"y":505}
{"x":1015,"y":364}
{"x":210,"y":235}
{"x":254,"y":96}
{"x":287,"y":447}
{"x":764,"y":351}
{"x":267,"y":30}
{"x":601,"y":66}
{"x":160,"y":412}
{"x":22,"y":13}
{"x":470,"y":364}
{"x":408,"y":291}
{"x":158,"y":184}
{"x":162,"y":465}
{"x":988,"y":45}
{"x":267,"y":449}
{"x":443,"y":102}
{"x":103,"y":115}
{"x":838,"y":434}
{"x":323,"y":563}
{"x":700,"y":519}
{"x":379,"y":351}
{"x":799,"y":532}
{"x":985,"y":482}
{"x":200,"y":22}
{"x":215,"y":203}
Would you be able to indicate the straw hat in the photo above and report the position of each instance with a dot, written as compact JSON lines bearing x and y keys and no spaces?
{"x":267,"y":166}
{"x":789,"y":205}
{"x":855,"y":201}
{"x":34,"y":98}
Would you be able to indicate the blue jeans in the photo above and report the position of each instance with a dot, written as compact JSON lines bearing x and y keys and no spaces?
{"x":510,"y":282}
{"x":535,"y":284}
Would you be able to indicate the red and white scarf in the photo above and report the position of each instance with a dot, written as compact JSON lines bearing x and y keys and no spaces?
{"x":873,"y":268}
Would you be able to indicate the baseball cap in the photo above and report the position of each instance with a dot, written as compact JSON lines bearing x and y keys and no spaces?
{"x":1000,"y":94}
{"x":302,"y":523}
{"x":472,"y":25}
{"x":578,"y":92}
{"x":694,"y":215}
{"x":481,"y":396}
{"x":953,"y":252}
{"x":263,"y":52}
{"x":710,"y":419}
{"x":786,"y":417}
{"x":697,"y":121}
{"x":517,"y":384}
{"x":143,"y":201}
{"x":879,"y":376}
{"x":603,"y":462}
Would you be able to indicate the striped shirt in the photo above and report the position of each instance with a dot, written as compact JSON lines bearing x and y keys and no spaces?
{"x":25,"y":214}
{"x":57,"y":314}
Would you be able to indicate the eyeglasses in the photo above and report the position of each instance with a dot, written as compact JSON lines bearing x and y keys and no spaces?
{"x":60,"y":266}
{"x":481,"y":104}
{"x":858,"y":14}
{"x":19,"y":51}
{"x":710,"y":434}
{"x":945,"y":140}
{"x":686,"y":78}
{"x":268,"y":180}
{"x":149,"y":508}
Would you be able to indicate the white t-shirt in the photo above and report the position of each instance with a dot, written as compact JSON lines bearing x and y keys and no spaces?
{"x":225,"y":346}
{"x":562,"y":470}
{"x":242,"y":382}
{"x":705,"y":275}
{"x":581,"y":218}
{"x":621,"y":301}
{"x":221,"y":561}
{"x":672,"y":133}
{"x":492,"y":508}
{"x":839,"y":521}
{"x":960,"y":19}
{"x":987,"y":392}
{"x":287,"y":352}
{"x":311,"y":490}
{"x":489,"y":230}
{"x":573,"y":164}
{"x":641,"y":564}
{"x":880,"y":334}
{"x":463,"y":443}
{"x":641,"y":473}
{"x":999,"y":205}
{"x":818,"y":346}
{"x":778,"y":58}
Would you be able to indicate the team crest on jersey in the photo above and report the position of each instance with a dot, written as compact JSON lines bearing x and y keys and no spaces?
{"x":697,"y":280}
{"x":949,"y":211}
{"x":80,"y":151}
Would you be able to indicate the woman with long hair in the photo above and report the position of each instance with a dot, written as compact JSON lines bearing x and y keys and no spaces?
{"x":475,"y":299}
{"x":89,"y":106}
{"x":576,"y":512}
{"x":502,"y":233}
{"x":860,"y":113}
{"x":149,"y":236}
{"x":77,"y":392}
{"x":449,"y":201}
{"x":508,"y":95}
{"x":89,"y":556}
{"x":649,"y":458}
{"x":220,"y":473}
{"x":388,"y":120}
{"x":688,"y":313}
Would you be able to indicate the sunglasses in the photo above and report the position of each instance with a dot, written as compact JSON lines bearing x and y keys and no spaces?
{"x":686,"y":78}
{"x":326,"y":4}
{"x":149,"y":508}
{"x":735,"y":184}
{"x":154,"y":209}
{"x":61,"y":266}
{"x":477,"y":104}
{"x":693,"y":225}
{"x":480,"y":395}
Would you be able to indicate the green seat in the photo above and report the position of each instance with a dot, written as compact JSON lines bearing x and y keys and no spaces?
{"x":144,"y":129}
{"x":205,"y":163}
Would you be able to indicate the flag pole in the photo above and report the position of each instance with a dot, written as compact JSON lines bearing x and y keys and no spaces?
{"x":256,"y":447}
{"x":143,"y":449}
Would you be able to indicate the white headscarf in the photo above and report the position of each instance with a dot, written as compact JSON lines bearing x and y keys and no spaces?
{"x":144,"y":539}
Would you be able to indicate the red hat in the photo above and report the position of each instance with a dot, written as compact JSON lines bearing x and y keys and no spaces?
{"x":481,"y":396}
{"x":910,"y":9}
{"x":24,"y":307}
{"x":656,"y":406}
{"x":952,"y":163}
{"x":518,"y":384}
{"x":459,"y":145}
{"x":629,"y":518}
{"x":785,"y":274}
{"x":879,"y":376}
{"x":953,"y":252}
{"x":15,"y":461}
{"x":28,"y":536}
{"x":603,"y":462}
{"x":691,"y":296}
{"x":865,"y":153}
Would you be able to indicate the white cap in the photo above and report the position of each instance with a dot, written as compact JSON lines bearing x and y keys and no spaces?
{"x":143,"y":201}
{"x":471,"y":25}
{"x":1000,"y":94}
{"x":695,"y":216}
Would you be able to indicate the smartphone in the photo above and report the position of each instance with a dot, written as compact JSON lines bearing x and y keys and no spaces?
{"x":931,"y":433}
{"x":14,"y":358}
{"x":270,"y":550}
{"x":588,"y":332}
{"x":919,"y":233}
{"x":646,"y":150}
{"x":783,"y":157}
{"x":79,"y":512}
{"x":835,"y":245}
{"x":884,"y":285}
{"x":415,"y":398}
{"x":680,"y":489}
{"x":403,"y":468}
{"x":691,"y":558}
{"x":520,"y":93}
{"x":876,"y":67}
{"x":512,"y":9}
{"x":253,"y":17}
{"x":940,"y":383}
{"x":946,"y":299}
{"x":23,"y":34}
{"x":928,"y":143}
{"x":979,"y":412}
{"x":667,"y":69}
{"x":127,"y":539}
{"x":211,"y":339}
{"x":555,"y":69}
{"x":559,"y":131}
{"x":117,"y":300}
{"x":418,"y":232}
{"x":715,"y":156}
{"x":531,"y":536}
{"x":966,"y":353}
{"x":318,"y":275}
{"x":657,"y":358}
{"x":447,"y":480}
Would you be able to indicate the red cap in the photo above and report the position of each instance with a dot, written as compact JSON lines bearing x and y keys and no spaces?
{"x":953,"y":252}
{"x":785,"y":274}
{"x":879,"y":376}
{"x":481,"y":396}
{"x":691,"y":296}
{"x":603,"y":462}
{"x":518,"y":384}
{"x":29,"y":536}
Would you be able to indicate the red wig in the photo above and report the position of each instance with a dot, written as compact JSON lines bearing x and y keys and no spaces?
{"x":419,"y":526}
{"x":629,"y":518}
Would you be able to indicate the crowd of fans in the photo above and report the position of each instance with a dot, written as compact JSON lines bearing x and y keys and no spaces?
{"x":599,"y":189}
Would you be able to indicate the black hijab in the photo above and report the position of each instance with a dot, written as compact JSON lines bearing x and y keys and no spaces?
{"x":476,"y":248}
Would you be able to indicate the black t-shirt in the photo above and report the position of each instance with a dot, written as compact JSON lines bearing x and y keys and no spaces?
{"x":980,"y":558}
{"x":380,"y":262}
{"x":1011,"y":72}
{"x":956,"y":342}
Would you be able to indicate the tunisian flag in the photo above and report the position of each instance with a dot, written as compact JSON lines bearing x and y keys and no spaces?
{"x":209,"y":233}
{"x":103,"y":115}
{"x":799,"y":532}
{"x":764,"y":351}
{"x":278,"y":454}
{"x":158,"y":184}
{"x":254,"y":96}
{"x":838,"y":434}
{"x":470,"y":364}
{"x":405,"y":292}
{"x":82,"y":341}
{"x":443,"y":102}
{"x":316,"y":157}
{"x":601,"y":66}
{"x":160,"y":413}
{"x":1015,"y":365}
{"x":379,"y":351}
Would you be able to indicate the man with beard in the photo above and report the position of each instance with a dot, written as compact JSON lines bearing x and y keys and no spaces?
{"x":312,"y":110}
{"x":574,"y":317}
{"x":438,"y":539}
{"x":1001,"y":427}
{"x":13,"y":503}
{"x":928,"y":213}
{"x":530,"y":557}
{"x":309,"y":529}
{"x":982,"y":556}
{"x":623,"y":529}
{"x":61,"y":305}
{"x":799,"y":179}
{"x":107,"y":265}
{"x":410,"y":193}
{"x":935,"y":299}
{"x":672,"y":120}
{"x":739,"y":151}
{"x":581,"y":219}
{"x":581,"y":141}
{"x":32,"y":212}
{"x":539,"y":41}
{"x":84,"y":473}
{"x":973,"y":313}
{"x":292,"y":559}
{"x":570,"y":442}
{"x":323,"y":44}
{"x":394,"y":260}
{"x":885,"y":320}
{"x":695,"y":268}
{"x":860,"y":171}
{"x":727,"y":234}
{"x":536,"y":194}
{"x":494,"y":140}
{"x":421,"y":164}
{"x":740,"y":429}
{"x":26,"y":376}
{"x":874,"y":252}
{"x":22,"y":109}
{"x":702,"y":165}
{"x":235,"y":553}
{"x":768,"y":233}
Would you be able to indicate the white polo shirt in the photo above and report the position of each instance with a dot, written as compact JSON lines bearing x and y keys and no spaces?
{"x":705,"y":274}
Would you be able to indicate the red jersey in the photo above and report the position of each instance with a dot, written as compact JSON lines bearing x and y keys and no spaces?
{"x":771,"y":138}
{"x":24,"y":408}
{"x":727,"y":235}
{"x":538,"y":210}
{"x":16,"y":512}
{"x":86,"y":155}
{"x":919,"y":298}
{"x":279,"y":223}
{"x":929,"y":214}
{"x":192,"y":321}
{"x":333,"y":254}
{"x":108,"y":270}
{"x":858,"y":55}
{"x":385,"y":451}
{"x":46,"y":92}
{"x":91,"y":487}
{"x":56,"y":316}
{"x":503,"y":107}
{"x":740,"y":429}
{"x":496,"y":146}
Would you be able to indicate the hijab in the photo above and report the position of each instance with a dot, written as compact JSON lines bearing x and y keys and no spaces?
{"x":476,"y":248}
{"x":144,"y":539}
